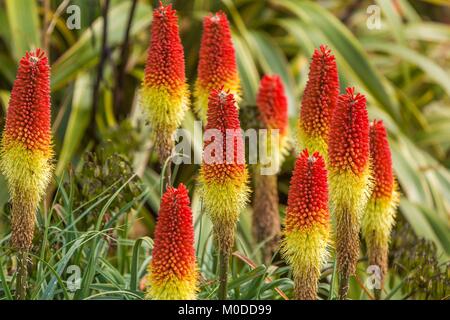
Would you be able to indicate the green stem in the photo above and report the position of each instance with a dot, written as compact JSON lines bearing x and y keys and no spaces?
{"x":165,"y":158}
{"x":223,"y":273}
{"x":168,"y":176}
{"x":343,"y":286}
{"x":22,"y":275}
{"x":377,"y":294}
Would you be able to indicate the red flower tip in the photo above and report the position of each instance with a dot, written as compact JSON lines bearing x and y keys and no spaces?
{"x":217,"y":63}
{"x":321,"y":93}
{"x":272,"y":103}
{"x":165,"y":60}
{"x":349,"y":134}
{"x":33,"y":57}
{"x":173,"y":251}
{"x":28,"y":118}
{"x":223,"y":116}
{"x":222,"y":111}
{"x":308,"y":192}
{"x":380,"y":154}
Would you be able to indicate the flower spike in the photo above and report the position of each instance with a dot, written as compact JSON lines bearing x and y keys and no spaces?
{"x":164,"y":94}
{"x":379,"y":215}
{"x":349,"y":174}
{"x":307,"y":226}
{"x":172,"y":270}
{"x":26,"y":152}
{"x":319,"y":101}
{"x":223,"y":175}
{"x":217,"y":67}
{"x":272,"y":105}
{"x":224,"y":182}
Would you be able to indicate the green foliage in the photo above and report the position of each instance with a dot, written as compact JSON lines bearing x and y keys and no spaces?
{"x":101,"y":211}
{"x":415,"y":259}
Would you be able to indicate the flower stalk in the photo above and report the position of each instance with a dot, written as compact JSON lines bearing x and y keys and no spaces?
{"x":307,"y":225}
{"x":164,"y":94}
{"x":379,"y":215}
{"x":26,"y":154}
{"x":272,"y":105}
{"x":349,"y":174}
{"x":223,"y":176}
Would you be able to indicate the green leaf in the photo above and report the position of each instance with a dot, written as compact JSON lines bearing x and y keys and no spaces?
{"x":273,"y":61}
{"x":80,"y":115}
{"x":428,"y":66}
{"x":134,"y":262}
{"x":255,"y":273}
{"x":23,"y":18}
{"x":90,"y":270}
{"x":85,"y":53}
{"x":413,"y":184}
{"x":7,"y":68}
{"x":418,"y":220}
{"x":62,"y":263}
{"x":439,"y":226}
{"x":248,"y":73}
{"x":5,"y":286}
{"x":349,"y":52}
{"x":428,"y":31}
{"x":299,"y":30}
{"x":5,"y":33}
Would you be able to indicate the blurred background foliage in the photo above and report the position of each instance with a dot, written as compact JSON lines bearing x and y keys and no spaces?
{"x":100,"y":211}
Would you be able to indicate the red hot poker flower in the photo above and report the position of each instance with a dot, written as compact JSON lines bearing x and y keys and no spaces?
{"x":349,"y":134}
{"x":28,"y":119}
{"x":307,"y":229}
{"x":308,"y":193}
{"x":379,"y":215}
{"x":164,"y":92}
{"x":319,"y":101}
{"x":224,"y":182}
{"x":380,"y":154}
{"x":349,"y":173}
{"x":165,"y":60}
{"x":217,"y":66}
{"x":26,"y":149}
{"x":223,"y":117}
{"x":26,"y":153}
{"x":172,"y":271}
{"x":272,"y":103}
